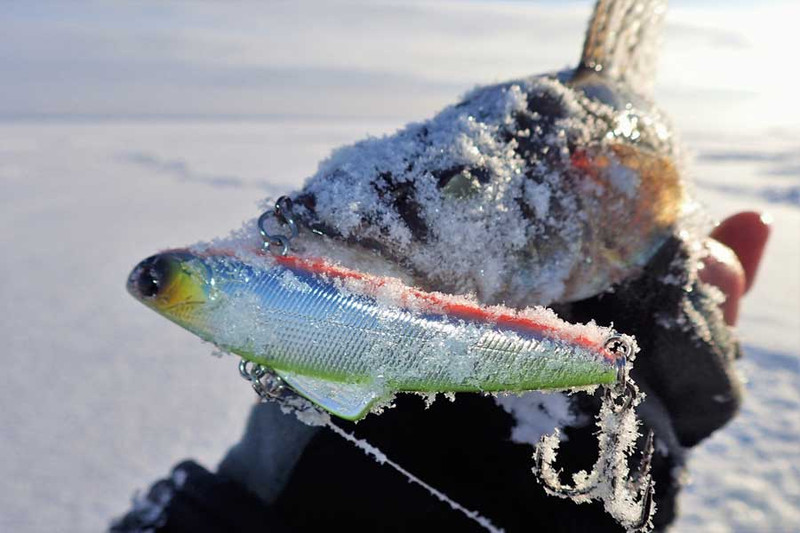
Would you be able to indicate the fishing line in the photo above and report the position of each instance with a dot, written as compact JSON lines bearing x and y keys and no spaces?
{"x":269,"y":387}
{"x":381,"y":458}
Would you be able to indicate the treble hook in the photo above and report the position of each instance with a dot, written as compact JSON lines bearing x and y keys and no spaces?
{"x":620,"y":399}
{"x":647,"y":493}
{"x":572,"y":491}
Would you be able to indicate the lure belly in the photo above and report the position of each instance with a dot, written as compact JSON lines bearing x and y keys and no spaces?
{"x":349,"y":341}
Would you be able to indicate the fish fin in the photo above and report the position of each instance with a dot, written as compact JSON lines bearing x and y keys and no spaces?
{"x":622,"y":41}
{"x":350,"y":401}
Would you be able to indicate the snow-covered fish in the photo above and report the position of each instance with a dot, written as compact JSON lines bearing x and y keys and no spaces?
{"x":546,"y":189}
{"x":348,"y":341}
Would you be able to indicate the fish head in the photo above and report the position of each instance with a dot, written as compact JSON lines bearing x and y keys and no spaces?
{"x":532,"y":192}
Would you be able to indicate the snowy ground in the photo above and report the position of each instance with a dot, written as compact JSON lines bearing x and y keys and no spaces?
{"x":123,"y":135}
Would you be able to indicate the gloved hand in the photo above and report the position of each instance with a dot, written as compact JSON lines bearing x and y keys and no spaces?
{"x":673,"y":309}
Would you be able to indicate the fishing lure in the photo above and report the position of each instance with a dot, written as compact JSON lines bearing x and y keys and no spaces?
{"x":348,"y":341}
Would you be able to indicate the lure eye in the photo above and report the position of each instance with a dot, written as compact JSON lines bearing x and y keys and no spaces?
{"x":169,"y":279}
{"x":150,"y":277}
{"x":150,"y":280}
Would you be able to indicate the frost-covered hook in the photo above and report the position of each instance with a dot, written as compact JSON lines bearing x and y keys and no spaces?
{"x":267,"y":385}
{"x":283,"y":212}
{"x":643,"y":487}
{"x":271,"y":388}
{"x":629,"y":499}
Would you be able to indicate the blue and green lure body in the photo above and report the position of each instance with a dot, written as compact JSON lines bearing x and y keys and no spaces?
{"x":349,"y":341}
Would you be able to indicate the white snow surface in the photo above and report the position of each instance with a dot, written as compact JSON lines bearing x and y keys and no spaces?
{"x":136,"y":127}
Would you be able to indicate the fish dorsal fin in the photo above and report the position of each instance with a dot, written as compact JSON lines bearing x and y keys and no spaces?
{"x":622,"y":42}
{"x":351,"y":401}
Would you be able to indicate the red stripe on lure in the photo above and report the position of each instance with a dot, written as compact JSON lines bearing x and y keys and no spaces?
{"x":440,"y":303}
